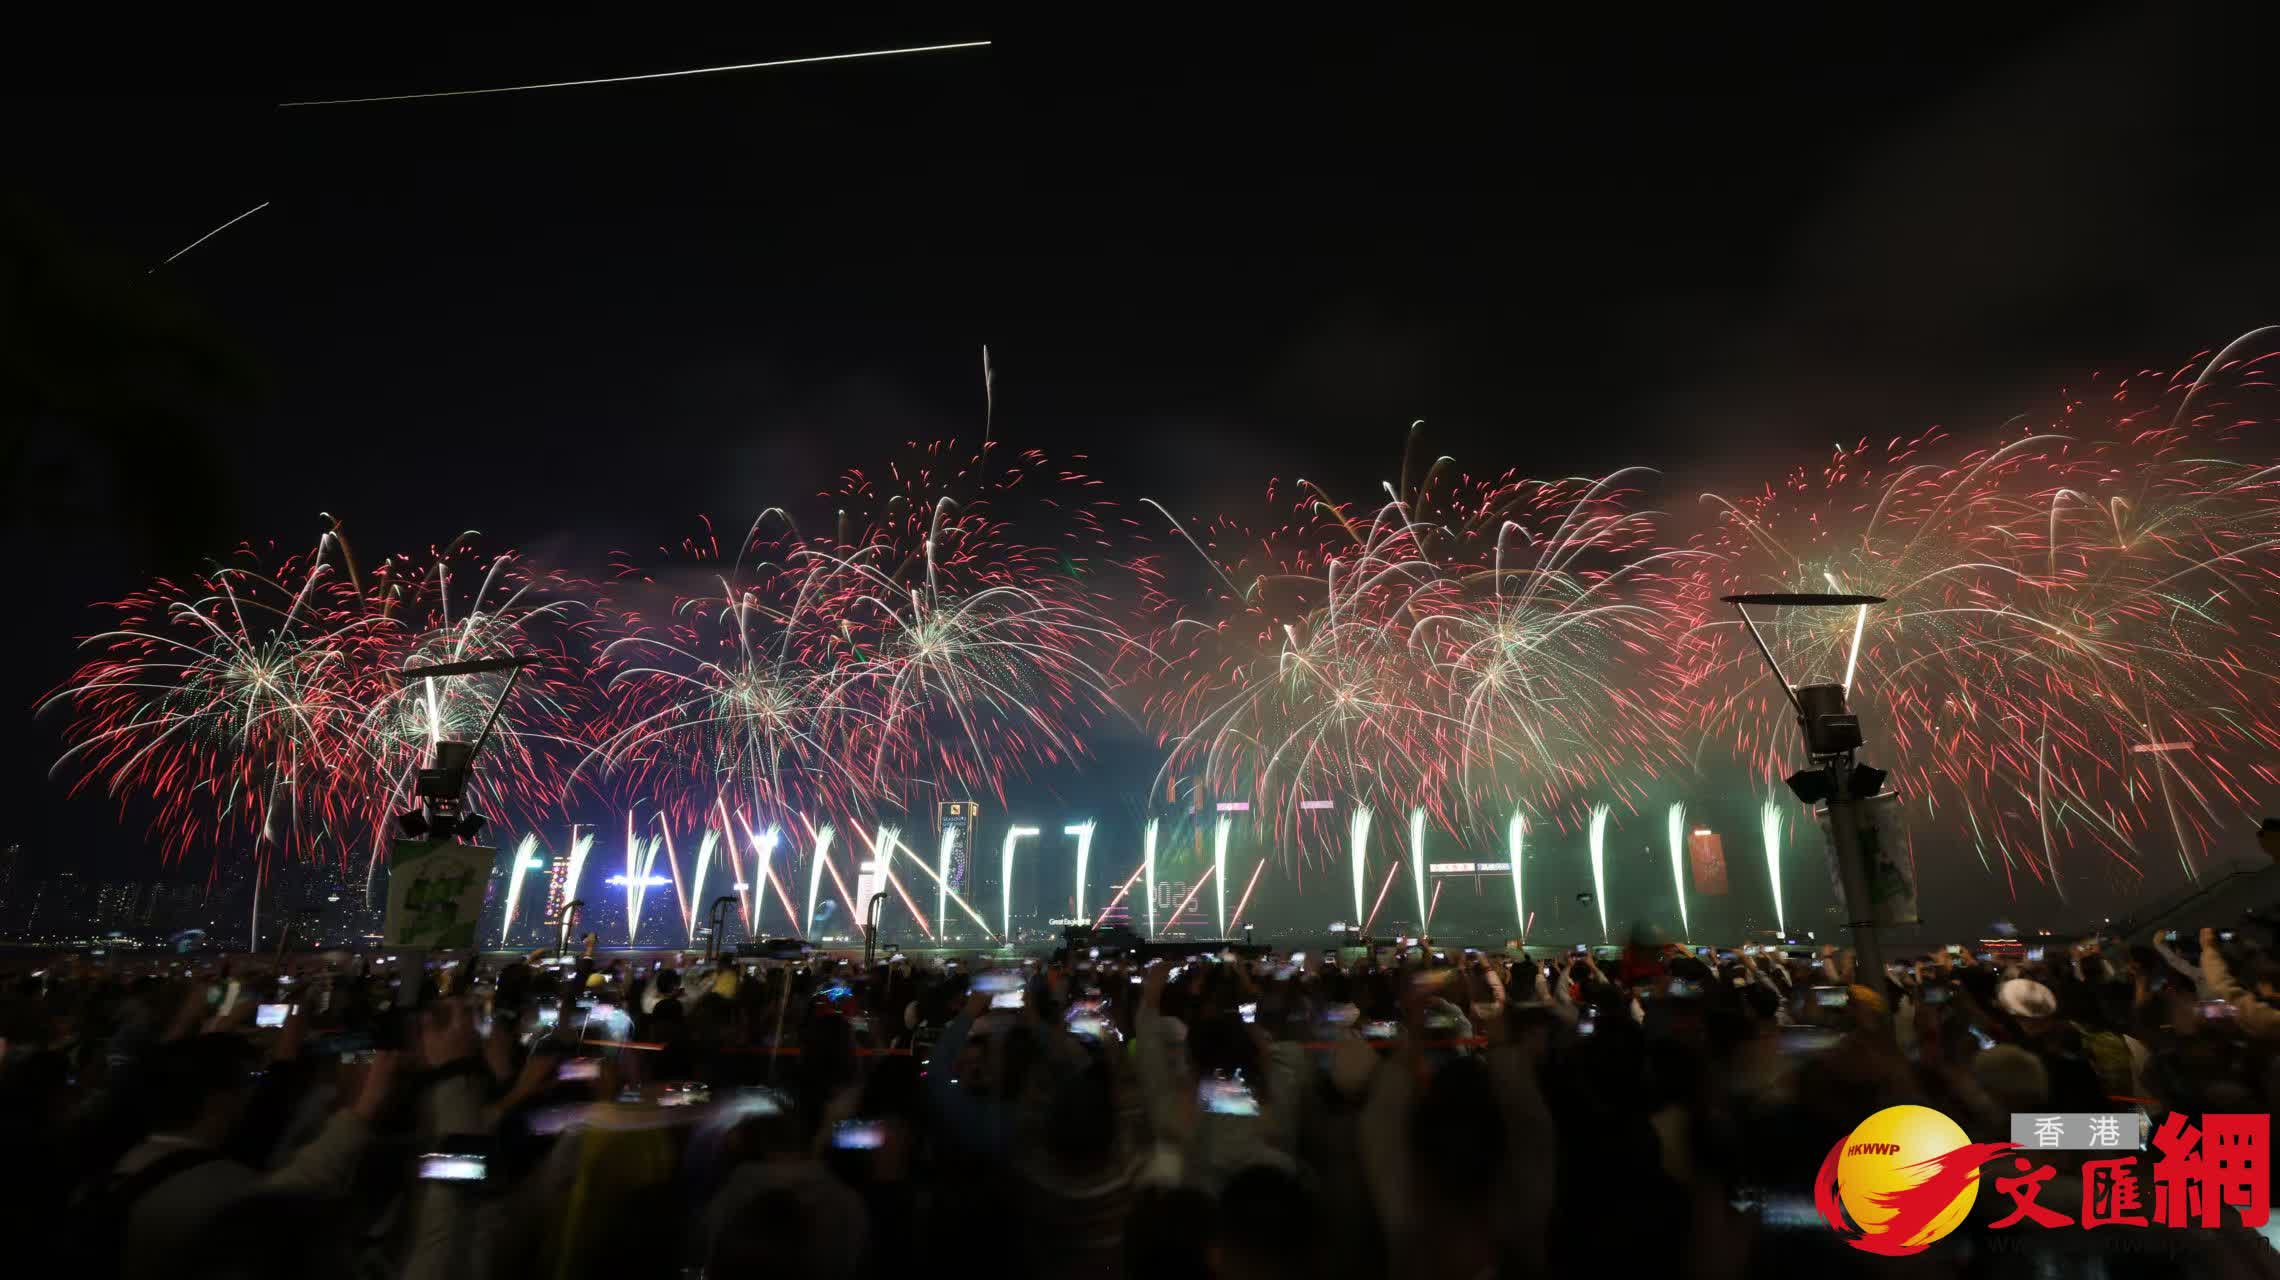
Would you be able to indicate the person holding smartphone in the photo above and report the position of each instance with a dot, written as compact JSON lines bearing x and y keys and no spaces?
{"x":2255,"y":1013}
{"x":169,"y":1186}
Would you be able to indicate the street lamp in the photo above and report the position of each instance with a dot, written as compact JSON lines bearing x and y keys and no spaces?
{"x":1833,"y":778}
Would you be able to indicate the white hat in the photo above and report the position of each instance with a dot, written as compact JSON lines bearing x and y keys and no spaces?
{"x":2026,"y":998}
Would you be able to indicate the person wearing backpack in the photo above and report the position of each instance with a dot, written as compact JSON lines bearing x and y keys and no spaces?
{"x":180,"y":1177}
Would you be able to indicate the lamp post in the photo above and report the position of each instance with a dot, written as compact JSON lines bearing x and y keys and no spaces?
{"x":1832,"y":778}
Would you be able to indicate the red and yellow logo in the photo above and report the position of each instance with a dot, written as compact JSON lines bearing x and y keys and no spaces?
{"x":1905,"y":1178}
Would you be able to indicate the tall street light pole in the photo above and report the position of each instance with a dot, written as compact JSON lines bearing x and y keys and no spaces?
{"x":1832,"y":778}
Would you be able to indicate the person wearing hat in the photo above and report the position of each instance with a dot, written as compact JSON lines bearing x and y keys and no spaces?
{"x":2072,"y":1082}
{"x":2029,"y":1001}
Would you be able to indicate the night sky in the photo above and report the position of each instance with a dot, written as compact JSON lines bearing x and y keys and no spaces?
{"x":577,"y":319}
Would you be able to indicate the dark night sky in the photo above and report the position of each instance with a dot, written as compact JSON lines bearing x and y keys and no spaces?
{"x":575,"y":319}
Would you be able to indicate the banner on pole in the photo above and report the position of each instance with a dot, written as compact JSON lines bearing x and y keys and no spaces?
{"x":1884,"y":859}
{"x":435,"y":893}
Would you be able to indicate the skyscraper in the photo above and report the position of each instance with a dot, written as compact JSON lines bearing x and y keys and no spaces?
{"x":965,"y":818}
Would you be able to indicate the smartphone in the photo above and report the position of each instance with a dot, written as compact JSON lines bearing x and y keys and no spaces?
{"x":1298,"y":957}
{"x":1749,"y":948}
{"x":2169,"y":936}
{"x":1985,"y":1041}
{"x":858,"y":1135}
{"x":1013,"y":999}
{"x":1137,"y":979}
{"x":1380,"y":1030}
{"x":1703,"y":952}
{"x":1684,"y":988}
{"x":453,"y":1166}
{"x":1831,"y":997}
{"x":1582,"y":949}
{"x":579,"y":1069}
{"x":1249,"y":1011}
{"x":2034,"y":955}
{"x":1955,"y":949}
{"x":271,"y":1015}
{"x":1586,"y":1024}
{"x":549,"y":1015}
{"x":2217,"y":1010}
{"x":1222,"y":1096}
{"x":998,"y":982}
{"x":1936,"y":994}
{"x":2224,"y":935}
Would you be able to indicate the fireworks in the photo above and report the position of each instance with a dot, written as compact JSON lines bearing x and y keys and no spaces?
{"x":1771,"y":819}
{"x":457,"y":605}
{"x":1467,"y":647}
{"x":920,"y":646}
{"x":230,"y":703}
{"x":2074,"y":672}
{"x":2061,"y":605}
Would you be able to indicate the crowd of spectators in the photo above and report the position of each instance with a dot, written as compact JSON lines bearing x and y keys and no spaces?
{"x":1364,"y":1112}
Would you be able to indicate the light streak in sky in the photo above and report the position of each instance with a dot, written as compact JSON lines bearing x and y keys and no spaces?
{"x":1083,"y":831}
{"x":525,"y":855}
{"x":636,"y":872}
{"x":1860,"y":624}
{"x":1122,"y":890}
{"x":1383,"y":889}
{"x":209,"y":235}
{"x":696,"y":903}
{"x":1769,"y":826}
{"x":1417,"y":862}
{"x":1516,"y":836}
{"x":1219,"y":869}
{"x":883,"y":842}
{"x":942,"y":883}
{"x":737,"y":880}
{"x":1013,"y":835}
{"x":1358,"y":840}
{"x":653,"y":75}
{"x":580,"y":846}
{"x":1148,"y":866}
{"x":823,"y":836}
{"x":1245,"y":900}
{"x":943,"y":852}
{"x":1677,"y":819}
{"x":764,"y":854}
{"x":1186,"y":900}
{"x":1599,"y":815}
